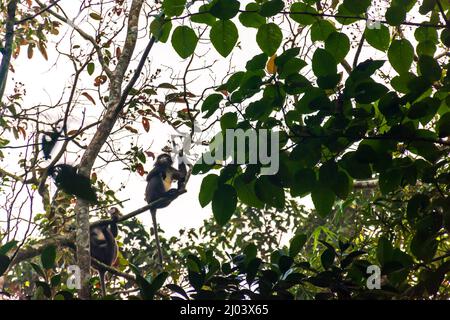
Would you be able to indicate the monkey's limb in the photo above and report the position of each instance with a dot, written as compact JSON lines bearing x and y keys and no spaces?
{"x":158,"y":245}
{"x":101,"y":275}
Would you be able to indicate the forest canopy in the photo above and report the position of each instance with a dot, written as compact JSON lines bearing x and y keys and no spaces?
{"x":315,"y":135}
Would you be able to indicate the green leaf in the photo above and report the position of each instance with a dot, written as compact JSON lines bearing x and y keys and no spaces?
{"x":303,"y":19}
{"x":271,"y":8}
{"x":327,"y":258}
{"x":424,"y":246}
{"x":224,"y":9}
{"x":304,"y":182}
{"x":158,"y":282}
{"x":338,"y":45}
{"x":258,"y":62}
{"x":55,"y":280}
{"x":443,"y":126}
{"x":160,"y":28}
{"x":251,"y":19}
{"x":321,"y":29}
{"x":429,"y":68}
{"x":445,"y":37}
{"x":4,"y":263}
{"x":426,"y":34}
{"x":389,"y":180}
{"x":425,"y":108}
{"x":48,"y":257}
{"x":224,"y":203}
{"x":90,"y":68}
{"x":205,"y":17}
{"x":246,"y":192}
{"x":378,"y":38}
{"x":8,"y":246}
{"x":173,"y":8}
{"x":224,"y":36}
{"x":211,"y":104}
{"x":184,"y":41}
{"x":401,"y":55}
{"x":228,"y":121}
{"x":323,"y":198}
{"x":341,"y":185}
{"x":270,"y":193}
{"x":297,"y":243}
{"x":368,"y":92}
{"x":357,"y":6}
{"x":384,"y":250}
{"x":207,"y":189}
{"x":269,"y":37}
{"x":323,"y":63}
{"x":395,"y":15}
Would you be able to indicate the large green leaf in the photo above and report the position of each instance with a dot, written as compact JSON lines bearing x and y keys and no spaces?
{"x":323,"y":198}
{"x":321,"y":29}
{"x":401,"y":55}
{"x":252,"y":19}
{"x":323,"y":63}
{"x":357,"y":6}
{"x":429,"y":68}
{"x":224,"y":9}
{"x":379,"y":38}
{"x":184,"y":41}
{"x":173,"y":7}
{"x":160,"y":28}
{"x":338,"y":45}
{"x":443,"y":126}
{"x":207,"y":189}
{"x":303,"y":19}
{"x":4,"y":263}
{"x":224,"y":36}
{"x":211,"y":104}
{"x":395,"y":15}
{"x":270,"y":193}
{"x":48,"y":257}
{"x":271,"y":8}
{"x":269,"y":38}
{"x":224,"y":203}
{"x":203,"y":15}
{"x":297,"y":243}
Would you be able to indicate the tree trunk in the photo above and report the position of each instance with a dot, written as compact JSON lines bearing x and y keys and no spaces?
{"x":7,"y":50}
{"x":90,"y":155}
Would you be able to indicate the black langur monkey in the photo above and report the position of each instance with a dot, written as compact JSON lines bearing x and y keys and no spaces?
{"x":104,"y":246}
{"x":159,"y":183}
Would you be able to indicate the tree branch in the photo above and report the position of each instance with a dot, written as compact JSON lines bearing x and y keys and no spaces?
{"x":7,"y":51}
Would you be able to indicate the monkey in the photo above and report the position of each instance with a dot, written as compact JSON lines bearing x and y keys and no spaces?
{"x":71,"y":182}
{"x":159,"y":183}
{"x":104,"y":245}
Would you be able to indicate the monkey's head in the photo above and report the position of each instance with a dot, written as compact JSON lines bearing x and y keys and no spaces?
{"x":164,"y":160}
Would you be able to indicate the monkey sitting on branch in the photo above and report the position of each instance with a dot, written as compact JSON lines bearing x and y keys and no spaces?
{"x":104,"y":246}
{"x":159,"y":186}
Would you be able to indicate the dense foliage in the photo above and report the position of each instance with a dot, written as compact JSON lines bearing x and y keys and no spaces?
{"x":362,"y":109}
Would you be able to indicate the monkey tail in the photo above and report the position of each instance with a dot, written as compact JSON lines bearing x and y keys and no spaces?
{"x":101,"y":274}
{"x":158,"y":245}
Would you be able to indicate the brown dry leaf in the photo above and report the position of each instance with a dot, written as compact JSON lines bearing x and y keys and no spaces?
{"x":72,"y":132}
{"x":131,"y":129}
{"x":271,"y":67}
{"x":30,"y":51}
{"x":146,"y":124}
{"x":88,"y":96}
{"x":41,"y":47}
